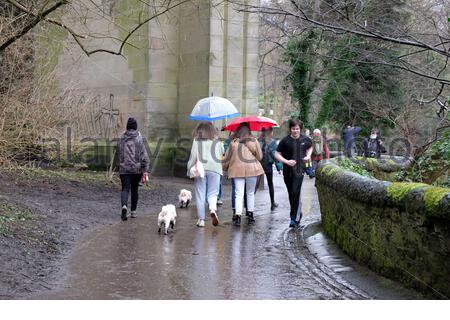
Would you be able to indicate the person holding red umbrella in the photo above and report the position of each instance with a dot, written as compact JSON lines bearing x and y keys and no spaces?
{"x":294,"y":151}
{"x":242,"y":163}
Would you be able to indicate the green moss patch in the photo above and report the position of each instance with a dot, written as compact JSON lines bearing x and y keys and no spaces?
{"x":372,"y":162}
{"x":329,"y":170}
{"x":399,"y":190}
{"x":433,"y":196}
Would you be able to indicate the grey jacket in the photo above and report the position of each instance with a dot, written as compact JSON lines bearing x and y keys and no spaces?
{"x":349,"y":136}
{"x":132,"y":154}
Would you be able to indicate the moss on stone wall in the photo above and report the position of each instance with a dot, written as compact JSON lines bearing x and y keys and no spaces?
{"x":398,"y":191}
{"x":391,"y":241}
{"x":400,"y":230}
{"x":330,"y":170}
{"x":433,"y":197}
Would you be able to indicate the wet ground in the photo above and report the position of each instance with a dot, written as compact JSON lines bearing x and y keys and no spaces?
{"x":268,"y":260}
{"x":50,"y":211}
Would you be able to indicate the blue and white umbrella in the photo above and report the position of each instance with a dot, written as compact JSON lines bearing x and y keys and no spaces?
{"x":213,"y":108}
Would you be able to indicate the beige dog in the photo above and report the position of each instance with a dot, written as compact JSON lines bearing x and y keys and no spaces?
{"x":167,"y":216}
{"x":184,"y":197}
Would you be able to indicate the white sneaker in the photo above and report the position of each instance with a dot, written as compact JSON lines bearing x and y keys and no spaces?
{"x":200,"y":223}
{"x":124,"y":213}
{"x":133,"y":214}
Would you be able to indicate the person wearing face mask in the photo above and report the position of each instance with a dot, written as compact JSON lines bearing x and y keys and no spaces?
{"x":373,"y":146}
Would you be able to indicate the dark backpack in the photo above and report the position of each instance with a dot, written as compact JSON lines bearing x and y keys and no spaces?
{"x":131,"y":149}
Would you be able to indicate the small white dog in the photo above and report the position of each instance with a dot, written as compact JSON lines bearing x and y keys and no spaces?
{"x":167,"y":216}
{"x":184,"y":197}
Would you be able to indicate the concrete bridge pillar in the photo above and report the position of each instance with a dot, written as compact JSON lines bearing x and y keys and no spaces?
{"x":198,"y":48}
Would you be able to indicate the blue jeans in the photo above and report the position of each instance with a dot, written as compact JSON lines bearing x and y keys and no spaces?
{"x":206,"y":189}
{"x":219,"y":196}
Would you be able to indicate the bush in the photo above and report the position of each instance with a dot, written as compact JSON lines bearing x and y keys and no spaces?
{"x":354,"y":167}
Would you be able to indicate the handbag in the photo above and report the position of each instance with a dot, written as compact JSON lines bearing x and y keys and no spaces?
{"x":197,"y":170}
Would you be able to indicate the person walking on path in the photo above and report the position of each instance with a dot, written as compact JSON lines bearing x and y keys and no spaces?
{"x":373,"y":146}
{"x":294,"y":151}
{"x":208,"y":150}
{"x":268,"y":147}
{"x":348,"y":135}
{"x":320,"y":149}
{"x":242,"y":164}
{"x":133,"y":164}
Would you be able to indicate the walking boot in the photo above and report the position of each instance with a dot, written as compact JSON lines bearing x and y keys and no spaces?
{"x":273,"y":206}
{"x":233,"y":218}
{"x":251,"y":219}
{"x":214,"y":218}
{"x":237,"y":220}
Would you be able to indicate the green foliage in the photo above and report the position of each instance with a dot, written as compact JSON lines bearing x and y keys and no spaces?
{"x":350,"y":83}
{"x":354,"y":167}
{"x":299,"y":55}
{"x":431,"y":167}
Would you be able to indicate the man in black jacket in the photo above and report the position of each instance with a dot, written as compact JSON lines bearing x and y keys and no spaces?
{"x":133,"y":164}
{"x":373,"y":146}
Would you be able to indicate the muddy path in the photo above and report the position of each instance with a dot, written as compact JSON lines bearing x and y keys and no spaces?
{"x":47,"y":212}
{"x":69,"y":243}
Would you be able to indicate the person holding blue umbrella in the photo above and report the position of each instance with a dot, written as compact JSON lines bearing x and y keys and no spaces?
{"x":205,"y":167}
{"x":207,"y":110}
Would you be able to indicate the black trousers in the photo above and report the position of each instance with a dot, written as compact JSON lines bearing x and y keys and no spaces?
{"x":269,"y":176}
{"x":293,"y":183}
{"x":130,"y":182}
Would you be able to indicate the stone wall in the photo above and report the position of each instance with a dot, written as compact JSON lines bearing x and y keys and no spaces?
{"x":400,"y":230}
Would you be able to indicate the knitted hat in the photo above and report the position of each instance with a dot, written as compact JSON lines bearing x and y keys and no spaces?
{"x":131,"y":124}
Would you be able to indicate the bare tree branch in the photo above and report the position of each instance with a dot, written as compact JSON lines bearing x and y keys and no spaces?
{"x":124,"y":41}
{"x":38,"y":18}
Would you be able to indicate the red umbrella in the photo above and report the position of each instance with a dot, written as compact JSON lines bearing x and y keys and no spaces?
{"x":255,"y":123}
